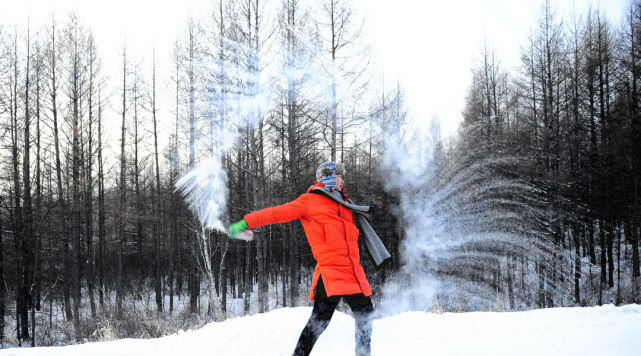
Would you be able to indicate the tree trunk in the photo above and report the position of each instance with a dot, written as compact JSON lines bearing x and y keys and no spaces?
{"x":76,"y":223}
{"x":38,"y":227}
{"x":602,"y":238}
{"x":175,"y":245}
{"x":38,"y":214}
{"x":618,"y":232}
{"x":27,"y":237}
{"x":541,"y":289}
{"x":22,"y":329}
{"x":194,"y":276}
{"x":577,"y":268}
{"x":157,"y":215}
{"x":610,"y":256}
{"x":139,"y":209}
{"x":101,"y":211}
{"x":62,"y":206}
{"x":89,"y":188}
{"x":2,"y":283}
{"x":636,"y":272}
{"x":122,"y":187}
{"x":510,"y":282}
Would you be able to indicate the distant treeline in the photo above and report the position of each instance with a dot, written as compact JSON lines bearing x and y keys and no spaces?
{"x":570,"y":116}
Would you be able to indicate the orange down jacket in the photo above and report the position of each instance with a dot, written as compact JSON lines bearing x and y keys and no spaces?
{"x":332,"y":235}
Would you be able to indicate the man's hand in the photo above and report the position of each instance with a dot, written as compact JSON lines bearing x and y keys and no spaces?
{"x":237,"y":227}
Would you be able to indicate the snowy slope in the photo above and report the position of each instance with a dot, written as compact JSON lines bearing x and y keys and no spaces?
{"x":606,"y":330}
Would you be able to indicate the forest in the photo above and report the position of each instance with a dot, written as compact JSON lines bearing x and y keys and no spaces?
{"x":535,"y":202}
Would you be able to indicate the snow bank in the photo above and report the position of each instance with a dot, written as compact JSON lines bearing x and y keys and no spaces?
{"x":606,"y":330}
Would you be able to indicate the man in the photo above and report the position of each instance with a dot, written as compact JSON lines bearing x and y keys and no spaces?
{"x":333,"y":237}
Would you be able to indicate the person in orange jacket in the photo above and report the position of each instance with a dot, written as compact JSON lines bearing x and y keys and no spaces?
{"x":333,"y":237}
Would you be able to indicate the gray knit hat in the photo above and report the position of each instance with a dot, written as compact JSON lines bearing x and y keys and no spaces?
{"x":330,"y":168}
{"x":326,"y":173}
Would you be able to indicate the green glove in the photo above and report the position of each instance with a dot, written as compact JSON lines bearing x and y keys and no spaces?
{"x":237,"y":227}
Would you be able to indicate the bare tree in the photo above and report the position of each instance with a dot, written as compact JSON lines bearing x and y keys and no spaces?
{"x":173,"y":176}
{"x":340,"y":32}
{"x":38,"y":215}
{"x":22,"y":326}
{"x":53,"y":56}
{"x":122,"y":208}
{"x":632,"y":67}
{"x":3,"y":110}
{"x":27,"y":232}
{"x":157,"y":205}
{"x":94,"y":68}
{"x":295,"y":122}
{"x":221,"y":32}
{"x":100,"y":262}
{"x":137,"y":87}
{"x":75,"y":47}
{"x":2,"y":280}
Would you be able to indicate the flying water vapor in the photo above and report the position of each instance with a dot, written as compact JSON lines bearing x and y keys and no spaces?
{"x":237,"y":95}
{"x":205,"y":190}
{"x":413,"y":288}
{"x":461,"y":222}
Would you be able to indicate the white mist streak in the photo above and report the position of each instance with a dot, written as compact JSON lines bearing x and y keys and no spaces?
{"x":407,"y":173}
{"x":205,"y":191}
{"x":459,"y":222}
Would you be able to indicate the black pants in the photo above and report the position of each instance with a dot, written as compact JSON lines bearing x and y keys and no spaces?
{"x":324,"y":307}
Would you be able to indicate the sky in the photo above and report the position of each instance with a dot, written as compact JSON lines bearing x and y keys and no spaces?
{"x":432,"y":46}
{"x":429,"y":47}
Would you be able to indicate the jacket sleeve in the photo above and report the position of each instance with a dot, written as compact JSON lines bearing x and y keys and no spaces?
{"x":278,"y":214}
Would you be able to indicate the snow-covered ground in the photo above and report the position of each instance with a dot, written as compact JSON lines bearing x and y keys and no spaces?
{"x":606,"y":330}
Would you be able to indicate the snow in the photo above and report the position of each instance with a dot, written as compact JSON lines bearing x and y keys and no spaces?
{"x":605,"y":330}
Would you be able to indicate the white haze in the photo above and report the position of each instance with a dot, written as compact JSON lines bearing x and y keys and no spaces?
{"x":406,"y":173}
{"x":205,"y":190}
{"x":227,"y":109}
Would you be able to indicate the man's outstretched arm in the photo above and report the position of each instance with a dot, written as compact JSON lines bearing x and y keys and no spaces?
{"x":278,"y":214}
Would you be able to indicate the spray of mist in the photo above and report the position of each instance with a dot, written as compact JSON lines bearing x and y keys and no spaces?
{"x":237,"y":96}
{"x":408,"y":172}
{"x":205,"y":190}
{"x":460,"y":220}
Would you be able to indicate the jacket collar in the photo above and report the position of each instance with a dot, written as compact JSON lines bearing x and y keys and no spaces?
{"x":320,"y":184}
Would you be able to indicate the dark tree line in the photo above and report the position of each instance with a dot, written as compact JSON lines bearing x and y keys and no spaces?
{"x":569,"y":118}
